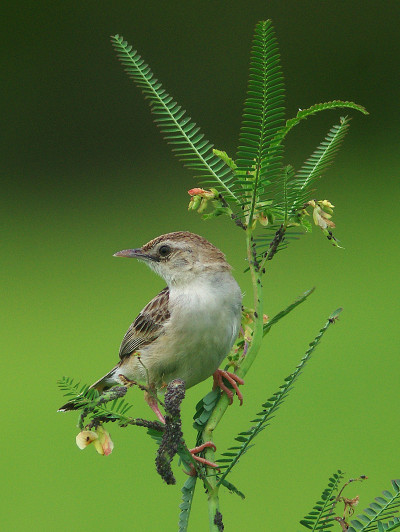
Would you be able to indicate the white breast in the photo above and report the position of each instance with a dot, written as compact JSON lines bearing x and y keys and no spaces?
{"x":204,"y":323}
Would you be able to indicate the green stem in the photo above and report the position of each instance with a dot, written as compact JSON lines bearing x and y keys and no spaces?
{"x":241,"y":370}
{"x":247,"y":361}
{"x":213,"y":507}
{"x":213,"y":498}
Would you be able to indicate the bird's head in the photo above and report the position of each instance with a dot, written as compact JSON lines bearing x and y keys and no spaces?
{"x":179,"y":257}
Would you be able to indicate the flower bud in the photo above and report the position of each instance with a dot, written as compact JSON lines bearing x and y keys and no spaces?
{"x":194,"y":203}
{"x":209,"y":194}
{"x":326,"y":205}
{"x":104,"y":444}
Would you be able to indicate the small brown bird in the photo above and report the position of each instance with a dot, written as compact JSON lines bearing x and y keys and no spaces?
{"x":188,"y":328}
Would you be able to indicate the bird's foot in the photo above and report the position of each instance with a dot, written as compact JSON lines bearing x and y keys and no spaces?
{"x":149,"y":395}
{"x":200,"y":459}
{"x":233,"y":380}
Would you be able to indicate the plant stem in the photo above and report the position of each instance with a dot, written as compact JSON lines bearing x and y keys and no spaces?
{"x":242,"y":369}
{"x":213,"y":507}
{"x":247,"y":361}
{"x":213,"y":498}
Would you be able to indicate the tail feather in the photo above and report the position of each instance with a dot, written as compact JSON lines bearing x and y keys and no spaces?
{"x":103,"y":384}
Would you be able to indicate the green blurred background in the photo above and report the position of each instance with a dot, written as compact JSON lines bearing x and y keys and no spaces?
{"x":86,"y":173}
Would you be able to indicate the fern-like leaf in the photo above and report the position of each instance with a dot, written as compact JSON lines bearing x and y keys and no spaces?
{"x":299,"y":188}
{"x":389,"y":526}
{"x":258,"y":158}
{"x":114,"y":411}
{"x":379,"y":511}
{"x":68,"y":386}
{"x":186,"y":504}
{"x":81,"y":395}
{"x":204,"y":410}
{"x":179,"y":130}
{"x":305,"y":113}
{"x":321,"y":516}
{"x":232,"y":488}
{"x":270,"y":407}
{"x":270,"y":323}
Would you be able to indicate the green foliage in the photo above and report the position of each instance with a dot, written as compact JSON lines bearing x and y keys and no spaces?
{"x":321,"y":516}
{"x":287,"y":310}
{"x":186,"y":504}
{"x":71,"y":388}
{"x":382,"y":509}
{"x":270,"y":407}
{"x":305,"y":113}
{"x":258,"y":157}
{"x":390,"y":525}
{"x":204,"y":410}
{"x":189,"y":144}
{"x":155,"y":435}
{"x":288,"y":177}
{"x":81,"y":394}
{"x":108,"y":406}
{"x":225,"y":157}
{"x":256,"y":181}
{"x":115,"y":410}
{"x":230,"y":487}
{"x":299,"y":187}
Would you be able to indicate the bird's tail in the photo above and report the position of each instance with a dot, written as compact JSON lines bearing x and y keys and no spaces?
{"x":103,"y":384}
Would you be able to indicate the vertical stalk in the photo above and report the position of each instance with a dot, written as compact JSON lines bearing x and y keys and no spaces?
{"x":222,"y":405}
{"x":259,"y":310}
{"x":213,"y":499}
{"x":213,"y":492}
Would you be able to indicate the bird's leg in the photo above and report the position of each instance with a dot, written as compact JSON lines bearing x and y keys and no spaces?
{"x":150,"y":395}
{"x":151,"y":400}
{"x":198,"y":449}
{"x":233,"y":380}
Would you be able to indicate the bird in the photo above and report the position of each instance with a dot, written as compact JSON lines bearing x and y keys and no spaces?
{"x":187,"y":329}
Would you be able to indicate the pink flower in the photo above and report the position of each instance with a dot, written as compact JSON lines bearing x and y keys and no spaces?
{"x":105,"y":441}
{"x":209,"y":194}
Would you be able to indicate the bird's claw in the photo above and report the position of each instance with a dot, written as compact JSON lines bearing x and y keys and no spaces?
{"x":233,"y":380}
{"x":207,"y":444}
{"x":201,"y":460}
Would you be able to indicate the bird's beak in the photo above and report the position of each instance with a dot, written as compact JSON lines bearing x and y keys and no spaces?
{"x":130,"y":253}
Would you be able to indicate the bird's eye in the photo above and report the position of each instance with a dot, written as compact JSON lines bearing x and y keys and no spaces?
{"x":164,"y":251}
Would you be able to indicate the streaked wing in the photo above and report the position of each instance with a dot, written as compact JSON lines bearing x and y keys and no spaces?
{"x":148,"y":325}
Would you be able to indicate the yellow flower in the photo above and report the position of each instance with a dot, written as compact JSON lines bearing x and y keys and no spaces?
{"x":326,"y":205}
{"x":85,"y":438}
{"x":100,"y":437}
{"x":322,"y":218}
